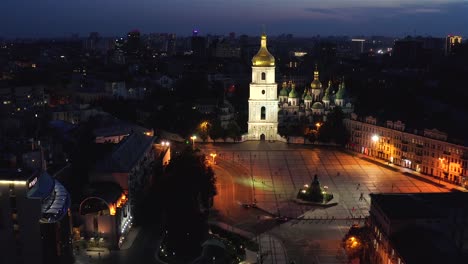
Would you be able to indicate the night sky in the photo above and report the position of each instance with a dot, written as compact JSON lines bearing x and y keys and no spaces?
{"x":58,"y":18}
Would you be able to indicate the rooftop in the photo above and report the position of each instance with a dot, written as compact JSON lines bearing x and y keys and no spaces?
{"x":419,"y":205}
{"x":419,"y":245}
{"x":125,"y":155}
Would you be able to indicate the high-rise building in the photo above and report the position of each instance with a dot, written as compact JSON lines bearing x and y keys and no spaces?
{"x":198,"y":44}
{"x":34,"y":212}
{"x":263,"y":99}
{"x":133,"y":43}
{"x":357,"y":46}
{"x":451,"y":42}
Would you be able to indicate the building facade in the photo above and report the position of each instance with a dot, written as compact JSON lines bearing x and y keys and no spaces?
{"x":263,"y":99}
{"x":428,"y":152}
{"x":451,"y":42}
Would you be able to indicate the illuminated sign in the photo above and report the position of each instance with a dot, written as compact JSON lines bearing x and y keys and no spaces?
{"x":32,"y":182}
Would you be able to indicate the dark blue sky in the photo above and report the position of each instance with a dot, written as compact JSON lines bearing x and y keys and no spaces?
{"x":37,"y":18}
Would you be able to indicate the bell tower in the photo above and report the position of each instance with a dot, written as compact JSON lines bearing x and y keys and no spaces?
{"x":263,"y":99}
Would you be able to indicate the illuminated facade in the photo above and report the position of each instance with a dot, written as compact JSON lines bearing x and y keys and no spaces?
{"x":314,"y":103}
{"x":263,"y":100}
{"x":427,"y":151}
{"x":105,"y":215}
{"x":451,"y":41}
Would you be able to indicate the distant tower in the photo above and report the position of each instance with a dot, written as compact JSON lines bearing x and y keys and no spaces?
{"x":263,"y":100}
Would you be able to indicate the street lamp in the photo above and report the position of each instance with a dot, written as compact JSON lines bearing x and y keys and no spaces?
{"x":445,"y":167}
{"x":193,"y":141}
{"x":375,"y":138}
{"x":213,"y":155}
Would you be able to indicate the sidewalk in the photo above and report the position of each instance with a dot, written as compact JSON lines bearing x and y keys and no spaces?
{"x":131,"y":235}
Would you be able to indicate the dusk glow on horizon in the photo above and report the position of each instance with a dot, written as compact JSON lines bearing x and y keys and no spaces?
{"x":28,"y":18}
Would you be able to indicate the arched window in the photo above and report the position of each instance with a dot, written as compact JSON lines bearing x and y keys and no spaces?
{"x":263,"y":76}
{"x":263,"y":113}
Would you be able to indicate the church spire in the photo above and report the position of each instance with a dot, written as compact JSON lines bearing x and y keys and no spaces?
{"x":316,"y":72}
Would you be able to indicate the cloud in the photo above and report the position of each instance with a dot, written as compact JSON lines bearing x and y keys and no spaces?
{"x":370,"y":12}
{"x":423,"y":11}
{"x":320,"y":10}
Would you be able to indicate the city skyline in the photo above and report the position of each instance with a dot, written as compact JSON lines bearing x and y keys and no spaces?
{"x":53,"y":18}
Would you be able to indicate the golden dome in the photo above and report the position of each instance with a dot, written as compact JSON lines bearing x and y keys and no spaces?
{"x":316,"y":84}
{"x":263,"y":57}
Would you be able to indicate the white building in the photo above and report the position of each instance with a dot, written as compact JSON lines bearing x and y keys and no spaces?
{"x":263,"y":100}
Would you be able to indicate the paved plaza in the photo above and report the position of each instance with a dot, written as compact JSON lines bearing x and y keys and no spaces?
{"x":276,"y":171}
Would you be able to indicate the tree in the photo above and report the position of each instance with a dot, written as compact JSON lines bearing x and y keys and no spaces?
{"x":216,"y":130}
{"x":233,"y":130}
{"x":188,"y":187}
{"x":333,"y":130}
{"x":357,"y":242}
{"x":203,"y":130}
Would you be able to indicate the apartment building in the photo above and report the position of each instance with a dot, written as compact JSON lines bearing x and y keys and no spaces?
{"x":428,"y":151}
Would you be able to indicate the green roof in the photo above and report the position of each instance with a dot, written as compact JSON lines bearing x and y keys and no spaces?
{"x":293,"y":93}
{"x":308,"y":97}
{"x":326,"y":96}
{"x":283,"y":92}
{"x":317,"y":105}
{"x":341,"y":92}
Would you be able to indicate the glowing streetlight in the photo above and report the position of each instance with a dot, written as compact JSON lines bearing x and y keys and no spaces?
{"x":193,"y":141}
{"x":374,"y":138}
{"x":213,"y":155}
{"x":318,"y":125}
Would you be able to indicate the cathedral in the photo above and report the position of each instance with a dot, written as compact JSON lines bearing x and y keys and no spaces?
{"x":313,"y":104}
{"x":268,"y":111}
